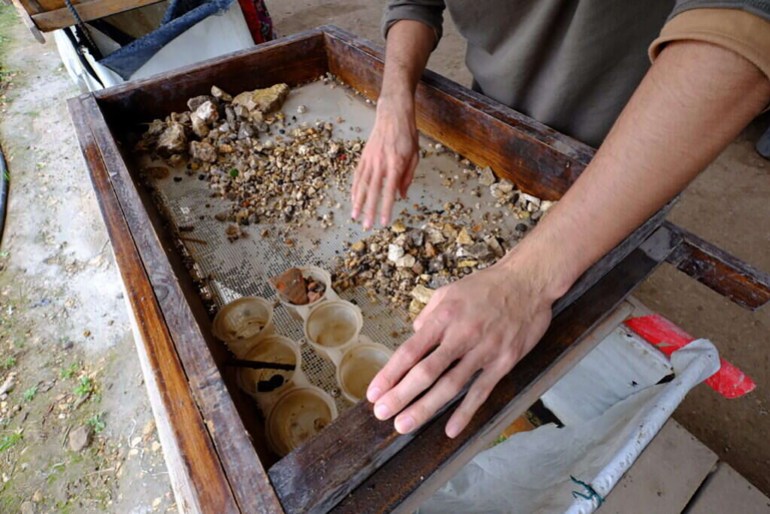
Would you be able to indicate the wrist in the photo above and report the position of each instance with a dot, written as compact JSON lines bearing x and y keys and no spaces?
{"x":395,"y":102}
{"x":548,"y":272}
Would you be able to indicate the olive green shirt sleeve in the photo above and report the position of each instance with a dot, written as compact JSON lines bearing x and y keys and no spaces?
{"x":429,"y":12}
{"x":745,"y":33}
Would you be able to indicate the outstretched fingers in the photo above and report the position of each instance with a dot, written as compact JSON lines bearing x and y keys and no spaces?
{"x":408,"y":354}
{"x":477,"y":395}
{"x":372,"y":197}
{"x":360,"y":188}
{"x":446,"y":388}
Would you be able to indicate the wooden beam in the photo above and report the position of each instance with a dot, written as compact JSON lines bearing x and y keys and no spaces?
{"x":727,"y":275}
{"x":27,"y":21}
{"x":193,"y":463}
{"x":87,"y":10}
{"x":243,"y":469}
{"x":665,"y":476}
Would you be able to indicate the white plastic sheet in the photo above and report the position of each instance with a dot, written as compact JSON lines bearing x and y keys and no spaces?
{"x":531,"y":471}
{"x":214,"y":36}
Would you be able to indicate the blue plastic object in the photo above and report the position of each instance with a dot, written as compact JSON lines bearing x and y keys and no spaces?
{"x":180,"y":16}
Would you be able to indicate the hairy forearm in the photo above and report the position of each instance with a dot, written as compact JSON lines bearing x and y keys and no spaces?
{"x":408,"y":47}
{"x":695,"y":99}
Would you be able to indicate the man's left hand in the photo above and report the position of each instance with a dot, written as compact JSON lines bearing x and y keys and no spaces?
{"x":485,"y":322}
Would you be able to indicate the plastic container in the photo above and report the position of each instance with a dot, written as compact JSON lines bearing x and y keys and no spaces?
{"x":271,"y":348}
{"x":243,"y":322}
{"x":358,"y":366}
{"x":332,"y":327}
{"x":297,"y":416}
{"x":301,"y":312}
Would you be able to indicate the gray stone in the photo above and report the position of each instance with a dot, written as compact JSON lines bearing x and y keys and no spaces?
{"x":80,"y":438}
{"x":487,"y":177}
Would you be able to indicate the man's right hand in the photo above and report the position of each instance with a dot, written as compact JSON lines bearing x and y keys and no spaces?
{"x":390,"y":157}
{"x":388,"y":161}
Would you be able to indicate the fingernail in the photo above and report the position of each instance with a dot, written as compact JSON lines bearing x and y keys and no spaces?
{"x":404,"y":424}
{"x":381,"y":411}
{"x":452,"y":431}
{"x":373,"y":394}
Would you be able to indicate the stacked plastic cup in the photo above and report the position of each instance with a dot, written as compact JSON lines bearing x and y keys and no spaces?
{"x":296,"y":410}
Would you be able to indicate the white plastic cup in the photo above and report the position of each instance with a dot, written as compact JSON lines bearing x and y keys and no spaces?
{"x":358,"y":366}
{"x":333,"y":326}
{"x":297,"y":416}
{"x":271,"y":348}
{"x":243,"y":322}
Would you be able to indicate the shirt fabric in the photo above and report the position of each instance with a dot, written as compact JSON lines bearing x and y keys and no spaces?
{"x":573,"y":64}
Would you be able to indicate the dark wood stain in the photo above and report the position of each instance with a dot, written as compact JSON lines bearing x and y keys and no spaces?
{"x":720,"y":271}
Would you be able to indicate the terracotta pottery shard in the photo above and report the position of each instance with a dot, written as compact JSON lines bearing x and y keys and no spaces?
{"x":292,"y":286}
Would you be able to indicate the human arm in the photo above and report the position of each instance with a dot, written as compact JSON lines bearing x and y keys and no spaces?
{"x":693,"y":101}
{"x":390,"y":157}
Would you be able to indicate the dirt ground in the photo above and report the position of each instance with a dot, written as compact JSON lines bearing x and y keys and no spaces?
{"x":67,"y":360}
{"x":64,"y":332}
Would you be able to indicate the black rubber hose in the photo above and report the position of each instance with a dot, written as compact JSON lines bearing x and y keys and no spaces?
{"x":4,"y":182}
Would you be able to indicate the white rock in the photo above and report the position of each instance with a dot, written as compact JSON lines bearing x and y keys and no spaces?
{"x":422,"y":294}
{"x":546,"y":204}
{"x":406,"y":261}
{"x":501,"y":190}
{"x":395,"y":252}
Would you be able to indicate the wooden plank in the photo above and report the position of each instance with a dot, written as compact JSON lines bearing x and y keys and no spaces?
{"x":296,"y":59}
{"x":318,"y":475}
{"x":413,"y":475}
{"x":27,"y":21}
{"x":240,"y":461}
{"x":720,"y":271}
{"x":193,"y":464}
{"x":538,"y":159}
{"x":727,"y":491}
{"x":666,"y":475}
{"x":57,"y":16}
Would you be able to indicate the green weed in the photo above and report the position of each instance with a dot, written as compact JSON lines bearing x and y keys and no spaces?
{"x":8,"y":363}
{"x":84,"y":387}
{"x":97,"y":422}
{"x":69,"y":371}
{"x":8,"y":441}
{"x":30,"y":394}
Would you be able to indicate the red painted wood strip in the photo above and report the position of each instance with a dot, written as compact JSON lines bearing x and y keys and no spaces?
{"x":667,"y":337}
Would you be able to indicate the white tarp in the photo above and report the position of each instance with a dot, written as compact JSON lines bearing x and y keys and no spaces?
{"x":531,"y":471}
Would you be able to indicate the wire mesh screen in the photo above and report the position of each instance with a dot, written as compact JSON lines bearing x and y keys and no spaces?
{"x":243,"y":267}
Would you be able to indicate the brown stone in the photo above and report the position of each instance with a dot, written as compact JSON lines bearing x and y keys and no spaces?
{"x":263,"y":100}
